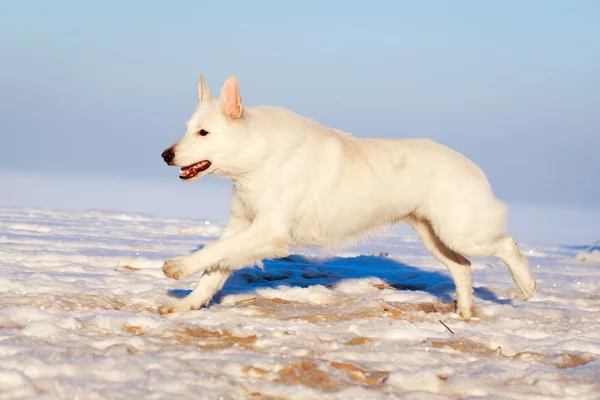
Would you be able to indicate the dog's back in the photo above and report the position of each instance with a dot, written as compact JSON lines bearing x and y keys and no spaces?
{"x":348,"y":186}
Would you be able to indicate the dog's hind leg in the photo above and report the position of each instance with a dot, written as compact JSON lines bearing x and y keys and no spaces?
{"x":458,"y":265}
{"x":210,"y":283}
{"x":507,"y":251}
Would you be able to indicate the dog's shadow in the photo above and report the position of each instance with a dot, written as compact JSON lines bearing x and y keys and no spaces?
{"x":302,"y":271}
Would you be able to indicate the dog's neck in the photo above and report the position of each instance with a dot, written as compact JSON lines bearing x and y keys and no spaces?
{"x":238,"y":178}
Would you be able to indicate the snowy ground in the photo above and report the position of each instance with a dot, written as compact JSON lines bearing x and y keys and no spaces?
{"x":78,"y":319}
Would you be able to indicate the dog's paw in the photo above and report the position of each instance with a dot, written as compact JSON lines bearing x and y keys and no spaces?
{"x":527,"y":288}
{"x":176,"y":308}
{"x":466,"y":314}
{"x":166,"y":310}
{"x":177,"y":268}
{"x":525,"y":282}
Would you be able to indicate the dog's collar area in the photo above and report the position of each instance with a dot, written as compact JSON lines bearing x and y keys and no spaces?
{"x":192,"y":170}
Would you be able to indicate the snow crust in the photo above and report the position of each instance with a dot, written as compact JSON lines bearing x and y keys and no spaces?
{"x":79,"y":293}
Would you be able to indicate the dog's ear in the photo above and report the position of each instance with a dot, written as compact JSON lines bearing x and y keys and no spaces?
{"x":231,"y":101}
{"x":203,"y":92}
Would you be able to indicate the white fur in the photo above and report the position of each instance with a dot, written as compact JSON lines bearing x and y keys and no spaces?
{"x":298,"y":183}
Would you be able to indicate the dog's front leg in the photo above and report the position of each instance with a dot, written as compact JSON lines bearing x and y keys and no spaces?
{"x":183,"y":266}
{"x":221,"y":258}
{"x":209,"y":284}
{"x":248,"y":247}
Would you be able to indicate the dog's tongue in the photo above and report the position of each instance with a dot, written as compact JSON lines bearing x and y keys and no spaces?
{"x":192,"y":169}
{"x":187,"y":171}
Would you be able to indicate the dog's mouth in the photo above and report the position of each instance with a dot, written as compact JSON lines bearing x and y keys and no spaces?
{"x":193,"y":170}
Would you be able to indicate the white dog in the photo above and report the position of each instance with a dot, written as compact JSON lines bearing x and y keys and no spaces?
{"x":298,"y":183}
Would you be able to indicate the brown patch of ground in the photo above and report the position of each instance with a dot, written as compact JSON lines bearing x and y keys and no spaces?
{"x":11,"y":326}
{"x":359,"y":340}
{"x":130,"y":268}
{"x":212,"y":340}
{"x":368,"y":378}
{"x":464,"y":346}
{"x":249,"y":370}
{"x":344,"y":310}
{"x":260,"y":396}
{"x":134,"y":330}
{"x":560,"y":361}
{"x":382,"y":286}
{"x":358,"y":374}
{"x":246,"y":302}
{"x":428,"y":308}
{"x":307,"y":373}
{"x":345,"y":367}
{"x":567,"y":360}
{"x":315,"y":374}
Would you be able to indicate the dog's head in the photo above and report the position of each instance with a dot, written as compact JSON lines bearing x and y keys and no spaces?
{"x":216,"y":134}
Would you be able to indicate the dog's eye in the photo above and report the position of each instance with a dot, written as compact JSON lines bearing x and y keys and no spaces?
{"x":203,"y":132}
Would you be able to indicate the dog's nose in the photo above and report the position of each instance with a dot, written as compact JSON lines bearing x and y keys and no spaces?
{"x":168,"y":155}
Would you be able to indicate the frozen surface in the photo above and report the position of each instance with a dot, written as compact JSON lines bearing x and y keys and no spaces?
{"x":79,"y":292}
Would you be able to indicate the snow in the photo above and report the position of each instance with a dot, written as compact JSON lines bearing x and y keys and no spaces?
{"x":79,"y":292}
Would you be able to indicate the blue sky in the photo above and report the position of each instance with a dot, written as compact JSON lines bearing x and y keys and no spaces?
{"x":103,"y":87}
